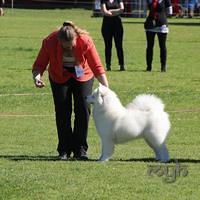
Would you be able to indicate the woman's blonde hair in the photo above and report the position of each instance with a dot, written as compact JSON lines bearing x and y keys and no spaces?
{"x":68,"y":31}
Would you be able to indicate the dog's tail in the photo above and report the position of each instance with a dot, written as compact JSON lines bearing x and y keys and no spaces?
{"x":147,"y":102}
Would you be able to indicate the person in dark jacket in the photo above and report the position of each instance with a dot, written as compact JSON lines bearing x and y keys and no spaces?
{"x":156,"y":24}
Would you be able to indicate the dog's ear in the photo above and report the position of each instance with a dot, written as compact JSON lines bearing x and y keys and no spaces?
{"x":102,"y":90}
{"x":99,"y":96}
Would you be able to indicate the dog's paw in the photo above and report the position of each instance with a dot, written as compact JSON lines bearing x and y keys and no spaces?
{"x":163,"y":160}
{"x":102,"y":159}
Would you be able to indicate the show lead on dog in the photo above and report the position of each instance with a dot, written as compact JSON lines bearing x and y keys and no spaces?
{"x":156,"y":23}
{"x":73,"y":62}
{"x":112,"y":28}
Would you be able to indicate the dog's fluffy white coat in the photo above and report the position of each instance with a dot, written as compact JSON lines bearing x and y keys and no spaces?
{"x":144,"y":118}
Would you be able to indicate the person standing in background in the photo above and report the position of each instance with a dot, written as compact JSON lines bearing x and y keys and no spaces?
{"x":112,"y":28}
{"x":73,"y":62}
{"x":1,"y":7}
{"x":177,"y":8}
{"x":190,"y":5}
{"x":156,"y":23}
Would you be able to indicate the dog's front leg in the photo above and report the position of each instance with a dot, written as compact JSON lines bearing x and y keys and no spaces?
{"x":107,"y":149}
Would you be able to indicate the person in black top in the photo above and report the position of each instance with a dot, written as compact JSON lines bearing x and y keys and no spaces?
{"x":156,"y":23}
{"x":112,"y":28}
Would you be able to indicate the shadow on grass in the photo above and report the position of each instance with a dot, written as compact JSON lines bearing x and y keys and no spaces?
{"x":35,"y":158}
{"x":175,"y":160}
{"x":55,"y":158}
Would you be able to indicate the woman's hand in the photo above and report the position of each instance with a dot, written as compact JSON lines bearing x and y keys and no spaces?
{"x":105,"y":11}
{"x":37,"y":79}
{"x":103,"y":80}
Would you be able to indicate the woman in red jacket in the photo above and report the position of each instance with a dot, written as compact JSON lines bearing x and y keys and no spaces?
{"x":73,"y":62}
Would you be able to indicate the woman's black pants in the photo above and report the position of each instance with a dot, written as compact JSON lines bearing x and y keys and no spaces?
{"x":72,"y":139}
{"x":112,"y":28}
{"x":150,"y":37}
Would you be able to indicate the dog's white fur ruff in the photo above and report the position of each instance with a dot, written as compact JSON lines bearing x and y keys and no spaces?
{"x":144,"y":118}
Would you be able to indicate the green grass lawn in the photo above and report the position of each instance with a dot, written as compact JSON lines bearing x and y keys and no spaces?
{"x":28,"y":139}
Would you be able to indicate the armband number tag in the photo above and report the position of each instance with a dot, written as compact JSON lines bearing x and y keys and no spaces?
{"x":79,"y":71}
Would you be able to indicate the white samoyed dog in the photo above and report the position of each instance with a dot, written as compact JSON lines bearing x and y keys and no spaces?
{"x":144,"y":118}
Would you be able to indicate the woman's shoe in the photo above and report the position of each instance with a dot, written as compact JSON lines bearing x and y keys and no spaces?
{"x":122,"y":68}
{"x":163,"y":68}
{"x":81,"y":154}
{"x":63,"y":156}
{"x":148,"y":69}
{"x":108,"y":68}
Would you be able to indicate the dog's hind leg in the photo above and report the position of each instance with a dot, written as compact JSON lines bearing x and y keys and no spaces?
{"x":161,"y":151}
{"x":164,"y":154}
{"x":155,"y":149}
{"x":107,"y":149}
